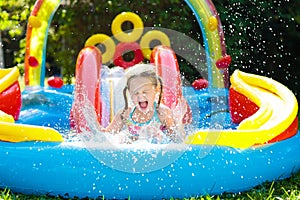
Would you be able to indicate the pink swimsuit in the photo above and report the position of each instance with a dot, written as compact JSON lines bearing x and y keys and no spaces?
{"x":151,"y":126}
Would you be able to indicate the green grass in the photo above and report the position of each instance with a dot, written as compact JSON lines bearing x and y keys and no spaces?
{"x":287,"y":189}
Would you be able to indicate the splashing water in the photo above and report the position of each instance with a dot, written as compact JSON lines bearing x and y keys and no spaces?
{"x":112,"y":149}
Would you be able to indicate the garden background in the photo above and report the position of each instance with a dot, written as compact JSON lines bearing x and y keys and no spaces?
{"x":261,"y":36}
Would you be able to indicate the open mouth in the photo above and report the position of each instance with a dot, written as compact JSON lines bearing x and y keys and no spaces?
{"x":143,"y":104}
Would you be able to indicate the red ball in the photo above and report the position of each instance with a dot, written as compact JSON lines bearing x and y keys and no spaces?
{"x":55,"y":82}
{"x":200,"y":83}
{"x":33,"y":62}
{"x":223,"y":62}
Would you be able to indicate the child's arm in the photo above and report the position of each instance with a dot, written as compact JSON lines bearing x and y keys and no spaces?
{"x":166,"y":117}
{"x":182,"y":112}
{"x":117,"y":123}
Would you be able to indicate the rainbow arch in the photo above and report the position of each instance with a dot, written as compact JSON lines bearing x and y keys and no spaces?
{"x":36,"y":41}
{"x":42,"y":14}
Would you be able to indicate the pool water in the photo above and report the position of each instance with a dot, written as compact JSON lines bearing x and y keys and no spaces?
{"x":51,"y":108}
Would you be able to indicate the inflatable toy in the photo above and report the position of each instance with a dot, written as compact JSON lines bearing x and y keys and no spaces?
{"x":33,"y":62}
{"x":239,"y":136}
{"x":55,"y":82}
{"x":214,"y":42}
{"x":72,"y":162}
{"x":167,"y":66}
{"x":34,"y":21}
{"x":212,"y":23}
{"x":88,"y":72}
{"x":131,"y":36}
{"x":165,"y":60}
{"x":108,"y":43}
{"x":125,"y":47}
{"x":200,"y":83}
{"x":151,"y":36}
{"x":36,"y":40}
{"x":128,"y":40}
{"x":223,"y":62}
{"x":259,"y":128}
{"x":10,"y":92}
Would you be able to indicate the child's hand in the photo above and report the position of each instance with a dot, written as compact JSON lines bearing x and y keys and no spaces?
{"x":179,"y":110}
{"x":101,"y":128}
{"x":182,"y":113}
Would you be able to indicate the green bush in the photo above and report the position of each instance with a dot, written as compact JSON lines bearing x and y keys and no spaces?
{"x":261,"y":36}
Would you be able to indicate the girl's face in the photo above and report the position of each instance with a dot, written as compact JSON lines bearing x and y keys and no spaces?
{"x":143,"y":93}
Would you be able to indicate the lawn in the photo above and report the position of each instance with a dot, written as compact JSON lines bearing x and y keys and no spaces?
{"x":287,"y":189}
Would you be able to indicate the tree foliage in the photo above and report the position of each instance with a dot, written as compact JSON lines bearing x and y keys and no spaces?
{"x":261,"y":36}
{"x":76,"y":22}
{"x":13,"y":20}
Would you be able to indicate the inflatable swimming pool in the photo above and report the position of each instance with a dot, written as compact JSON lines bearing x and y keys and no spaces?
{"x":239,"y":136}
{"x":180,"y":170}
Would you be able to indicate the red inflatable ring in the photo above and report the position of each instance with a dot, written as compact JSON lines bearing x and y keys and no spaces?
{"x":124,"y":47}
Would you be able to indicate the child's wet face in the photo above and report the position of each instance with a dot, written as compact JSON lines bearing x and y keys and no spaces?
{"x":142,"y":93}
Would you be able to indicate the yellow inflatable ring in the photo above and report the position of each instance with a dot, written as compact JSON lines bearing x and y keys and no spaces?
{"x":132,"y":36}
{"x":109,"y":44}
{"x":150,"y":36}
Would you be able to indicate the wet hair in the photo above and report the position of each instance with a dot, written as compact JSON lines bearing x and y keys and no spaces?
{"x":154,"y":79}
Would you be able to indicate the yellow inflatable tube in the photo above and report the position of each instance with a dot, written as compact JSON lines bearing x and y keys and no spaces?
{"x":263,"y":114}
{"x":8,"y":77}
{"x":11,"y":132}
{"x":278,"y":109}
{"x":289,"y":105}
{"x":5,"y":118}
{"x":20,"y":133}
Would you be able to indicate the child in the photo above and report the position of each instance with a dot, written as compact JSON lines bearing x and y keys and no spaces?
{"x":148,"y":118}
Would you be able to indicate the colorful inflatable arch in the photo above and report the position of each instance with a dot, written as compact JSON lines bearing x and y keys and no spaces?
{"x":36,"y":41}
{"x":205,"y":12}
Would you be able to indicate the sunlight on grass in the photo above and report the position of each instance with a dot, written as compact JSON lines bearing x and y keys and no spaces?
{"x":287,"y":189}
{"x":5,"y":195}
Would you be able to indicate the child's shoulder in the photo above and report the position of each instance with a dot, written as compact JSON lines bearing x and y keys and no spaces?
{"x":164,"y":109}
